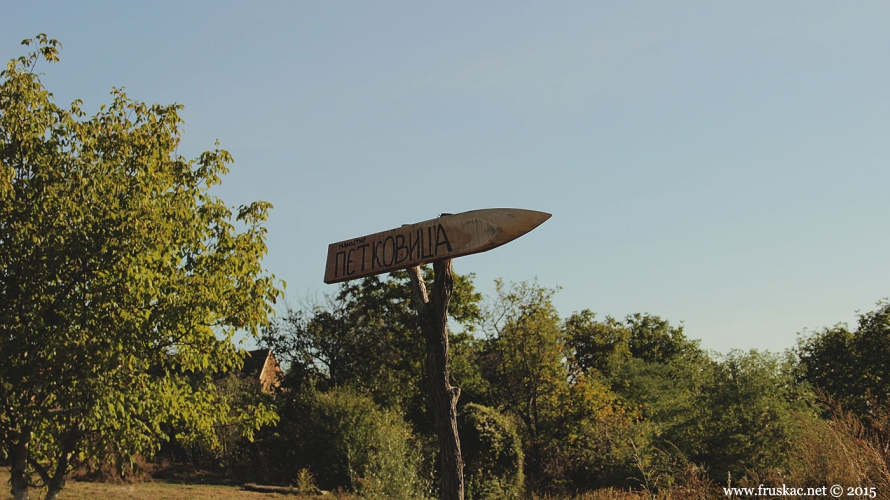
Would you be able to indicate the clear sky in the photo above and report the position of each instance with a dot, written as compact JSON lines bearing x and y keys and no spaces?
{"x":724,"y":164}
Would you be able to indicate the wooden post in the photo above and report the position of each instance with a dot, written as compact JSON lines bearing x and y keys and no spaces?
{"x":438,"y":241}
{"x":433,"y":317}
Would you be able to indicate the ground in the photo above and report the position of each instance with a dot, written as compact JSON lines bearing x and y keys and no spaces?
{"x":154,"y":490}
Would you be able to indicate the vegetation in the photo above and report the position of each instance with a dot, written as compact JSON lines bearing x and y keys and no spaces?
{"x":492,"y":451}
{"x":562,"y":407}
{"x":123,"y":282}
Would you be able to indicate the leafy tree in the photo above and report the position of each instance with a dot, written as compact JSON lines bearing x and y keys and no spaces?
{"x":651,"y":366}
{"x":654,"y":339}
{"x":852,"y":367}
{"x":602,"y":345}
{"x":230,"y":448}
{"x":650,"y":363}
{"x":366,"y":337}
{"x":747,"y":414}
{"x":576,"y":433}
{"x":468,"y":354}
{"x":524,"y":365}
{"x":596,"y":346}
{"x":119,"y":275}
{"x":735,"y":413}
{"x":668,"y":396}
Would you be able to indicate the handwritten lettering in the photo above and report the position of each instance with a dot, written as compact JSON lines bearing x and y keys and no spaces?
{"x":391,"y":251}
{"x":440,"y":233}
{"x":350,"y":243}
{"x":376,"y":263}
{"x":363,"y":248}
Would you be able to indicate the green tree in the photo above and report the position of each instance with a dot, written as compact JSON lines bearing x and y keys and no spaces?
{"x":603,"y":345}
{"x":733,"y":413}
{"x":576,"y":433}
{"x":525,"y":366}
{"x":231,"y":448}
{"x":120,"y":278}
{"x":596,"y":346}
{"x":747,"y":414}
{"x":654,"y":339}
{"x":852,"y":367}
{"x":367,"y":337}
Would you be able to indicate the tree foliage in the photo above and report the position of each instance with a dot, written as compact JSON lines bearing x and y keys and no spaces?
{"x":851,"y":366}
{"x":593,"y":401}
{"x":747,"y":414}
{"x":357,"y":444}
{"x":575,"y":430}
{"x":525,"y":352}
{"x":366,"y":337}
{"x":600,"y":346}
{"x":119,"y":273}
{"x":492,"y":451}
{"x":730,"y":413}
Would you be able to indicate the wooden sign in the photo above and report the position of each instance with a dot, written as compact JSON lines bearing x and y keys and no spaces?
{"x":437,"y":239}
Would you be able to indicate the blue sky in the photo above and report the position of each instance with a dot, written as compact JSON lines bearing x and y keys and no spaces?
{"x":724,"y":164}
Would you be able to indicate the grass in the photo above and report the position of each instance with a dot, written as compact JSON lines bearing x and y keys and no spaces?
{"x":158,"y":490}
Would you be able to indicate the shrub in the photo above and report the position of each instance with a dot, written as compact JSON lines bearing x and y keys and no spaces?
{"x":492,"y":452}
{"x":352,"y":442}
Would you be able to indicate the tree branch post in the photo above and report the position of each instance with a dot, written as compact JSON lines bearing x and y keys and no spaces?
{"x":432,"y":314}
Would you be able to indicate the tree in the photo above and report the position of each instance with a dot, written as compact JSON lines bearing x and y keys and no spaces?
{"x":746,"y":415}
{"x":369,"y":337}
{"x":653,"y":339}
{"x":851,"y":367}
{"x":575,"y":430}
{"x":121,"y":279}
{"x":596,"y":346}
{"x":525,"y":354}
{"x":734,"y":413}
{"x":366,"y":337}
{"x":601,"y":346}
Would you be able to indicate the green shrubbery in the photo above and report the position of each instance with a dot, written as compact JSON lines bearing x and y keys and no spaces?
{"x":355,"y":443}
{"x":492,"y":453}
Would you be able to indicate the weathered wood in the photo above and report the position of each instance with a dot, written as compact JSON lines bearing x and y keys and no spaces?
{"x":433,"y":317}
{"x":434,"y":240}
{"x":437,"y":241}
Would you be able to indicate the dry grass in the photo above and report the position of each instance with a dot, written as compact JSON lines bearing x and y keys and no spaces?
{"x":684,"y":493}
{"x":159,"y":490}
{"x":607,"y":494}
{"x":841,"y":451}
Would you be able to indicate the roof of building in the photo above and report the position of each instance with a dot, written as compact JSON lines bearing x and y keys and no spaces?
{"x":255,"y":361}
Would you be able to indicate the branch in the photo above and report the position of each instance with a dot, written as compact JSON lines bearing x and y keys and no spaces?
{"x":41,"y":470}
{"x":418,"y":289}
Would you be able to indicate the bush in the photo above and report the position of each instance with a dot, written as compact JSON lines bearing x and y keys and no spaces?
{"x":352,"y":442}
{"x":492,"y":452}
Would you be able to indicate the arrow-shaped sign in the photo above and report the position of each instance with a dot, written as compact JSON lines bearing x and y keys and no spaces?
{"x":442,"y":238}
